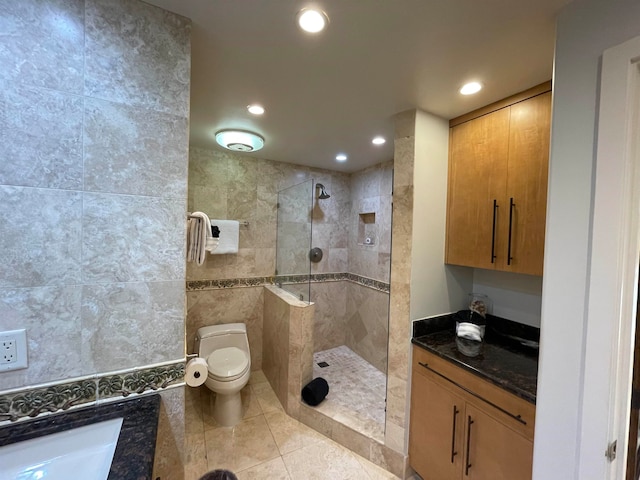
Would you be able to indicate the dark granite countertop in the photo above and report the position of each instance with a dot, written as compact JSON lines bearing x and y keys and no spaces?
{"x":508,"y":356}
{"x":134,"y":454}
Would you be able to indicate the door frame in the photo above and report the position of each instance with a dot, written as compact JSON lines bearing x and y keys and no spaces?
{"x":615,"y":247}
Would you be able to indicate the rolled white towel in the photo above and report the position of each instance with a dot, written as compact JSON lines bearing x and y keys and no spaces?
{"x":470,"y":331}
{"x":192,"y":226}
{"x":200,"y":231}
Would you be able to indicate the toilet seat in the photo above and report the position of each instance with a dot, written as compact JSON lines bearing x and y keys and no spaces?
{"x":226,"y":364}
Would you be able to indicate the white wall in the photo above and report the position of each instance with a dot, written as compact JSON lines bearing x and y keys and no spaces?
{"x":585,"y":29}
{"x":515,"y":297}
{"x":435,"y":287}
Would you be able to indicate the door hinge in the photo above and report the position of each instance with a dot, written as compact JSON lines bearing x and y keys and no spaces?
{"x":610,"y":453}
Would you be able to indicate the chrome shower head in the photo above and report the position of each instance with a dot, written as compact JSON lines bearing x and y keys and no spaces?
{"x":322,"y":193}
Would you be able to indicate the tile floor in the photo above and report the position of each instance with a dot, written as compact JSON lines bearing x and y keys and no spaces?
{"x":357,"y":390}
{"x":267,"y":444}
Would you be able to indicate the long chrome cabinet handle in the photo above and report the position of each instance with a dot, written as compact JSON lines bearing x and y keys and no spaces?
{"x":506,"y":412}
{"x":493,"y":231}
{"x":453,"y":433}
{"x":511,"y":206}
{"x":467,"y":461}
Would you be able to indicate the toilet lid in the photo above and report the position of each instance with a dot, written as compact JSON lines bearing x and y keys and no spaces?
{"x":227,"y":362}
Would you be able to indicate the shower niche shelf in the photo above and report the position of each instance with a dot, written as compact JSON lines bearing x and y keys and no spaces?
{"x":367,"y":229}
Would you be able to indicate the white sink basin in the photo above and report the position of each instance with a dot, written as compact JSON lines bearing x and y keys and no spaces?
{"x":84,"y":452}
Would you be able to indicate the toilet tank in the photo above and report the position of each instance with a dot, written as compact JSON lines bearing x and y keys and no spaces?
{"x":214,"y":337}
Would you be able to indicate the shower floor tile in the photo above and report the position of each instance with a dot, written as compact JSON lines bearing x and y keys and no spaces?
{"x":357,"y":390}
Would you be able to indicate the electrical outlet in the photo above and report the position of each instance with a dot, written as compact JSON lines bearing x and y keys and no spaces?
{"x":13,"y":350}
{"x":8,"y":352}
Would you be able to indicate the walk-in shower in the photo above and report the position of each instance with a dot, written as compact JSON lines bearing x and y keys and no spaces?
{"x":349,"y":287}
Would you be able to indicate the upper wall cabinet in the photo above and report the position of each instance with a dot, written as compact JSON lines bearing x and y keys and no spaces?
{"x":497,"y":193}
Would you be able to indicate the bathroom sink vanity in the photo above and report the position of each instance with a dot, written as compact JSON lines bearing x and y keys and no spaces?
{"x":473,"y":413}
{"x":124,"y":431}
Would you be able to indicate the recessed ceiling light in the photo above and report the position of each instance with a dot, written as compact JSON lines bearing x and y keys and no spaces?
{"x":378,"y":141}
{"x":311,"y":20}
{"x":239,"y":140}
{"x":255,"y":109}
{"x":470,"y":88}
{"x":341,"y":157}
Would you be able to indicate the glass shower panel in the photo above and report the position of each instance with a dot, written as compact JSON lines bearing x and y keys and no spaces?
{"x":293,"y":241}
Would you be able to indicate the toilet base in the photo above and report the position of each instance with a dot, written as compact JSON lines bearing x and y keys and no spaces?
{"x":227,"y":409}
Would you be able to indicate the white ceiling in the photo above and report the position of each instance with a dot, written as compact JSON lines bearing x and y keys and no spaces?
{"x":332,"y":92}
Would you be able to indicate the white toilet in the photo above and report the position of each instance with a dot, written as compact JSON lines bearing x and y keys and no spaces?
{"x":226,"y":350}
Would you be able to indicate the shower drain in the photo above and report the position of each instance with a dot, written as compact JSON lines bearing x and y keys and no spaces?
{"x":322,"y":364}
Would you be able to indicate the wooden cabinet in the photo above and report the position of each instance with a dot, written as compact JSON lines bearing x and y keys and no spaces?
{"x":497,"y":192}
{"x":463,"y":427}
{"x":435,"y":444}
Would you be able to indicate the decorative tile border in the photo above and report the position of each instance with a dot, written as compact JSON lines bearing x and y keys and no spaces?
{"x":369,"y":282}
{"x":195,"y":285}
{"x":30,"y":403}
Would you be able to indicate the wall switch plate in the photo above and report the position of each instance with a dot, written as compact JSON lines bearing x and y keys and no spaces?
{"x":13,"y":350}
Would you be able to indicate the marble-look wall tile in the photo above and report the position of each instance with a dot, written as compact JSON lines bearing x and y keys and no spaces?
{"x":51,"y":317}
{"x":41,"y":237}
{"x":287,"y":346}
{"x":331,"y":308}
{"x":398,"y":365}
{"x":403,"y":162}
{"x":138,"y":63}
{"x":389,"y":459}
{"x":394,"y":436}
{"x":275,"y":342}
{"x":403,"y":210}
{"x":369,"y":197}
{"x":226,"y":185}
{"x":40,"y":137}
{"x":367,"y":324}
{"x":231,"y":305}
{"x":56,"y":63}
{"x":396,"y":400}
{"x":127,"y":238}
{"x":210,"y":200}
{"x":171,"y":455}
{"x":338,"y":260}
{"x":209,"y":168}
{"x":134,"y":151}
{"x":129,"y":324}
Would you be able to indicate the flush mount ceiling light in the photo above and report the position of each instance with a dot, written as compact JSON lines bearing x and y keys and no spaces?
{"x":255,"y":109}
{"x":378,"y":141}
{"x":341,"y":157}
{"x":311,"y":20}
{"x":470,"y":88}
{"x":239,"y":140}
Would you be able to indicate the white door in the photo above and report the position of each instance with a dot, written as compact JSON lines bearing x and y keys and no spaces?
{"x":614,"y":267}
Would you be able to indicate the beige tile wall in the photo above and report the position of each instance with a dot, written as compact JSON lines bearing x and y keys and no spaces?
{"x":287,"y":346}
{"x":400,"y":294}
{"x":228,"y":305}
{"x":371,"y":191}
{"x":367,"y":324}
{"x":229,"y":186}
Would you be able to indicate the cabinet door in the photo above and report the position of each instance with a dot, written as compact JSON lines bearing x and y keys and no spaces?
{"x":527,"y":184}
{"x":477,"y":178}
{"x":494,"y":451}
{"x":436,"y":434}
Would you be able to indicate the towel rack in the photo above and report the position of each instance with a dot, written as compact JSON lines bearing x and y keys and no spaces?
{"x":244,"y":223}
